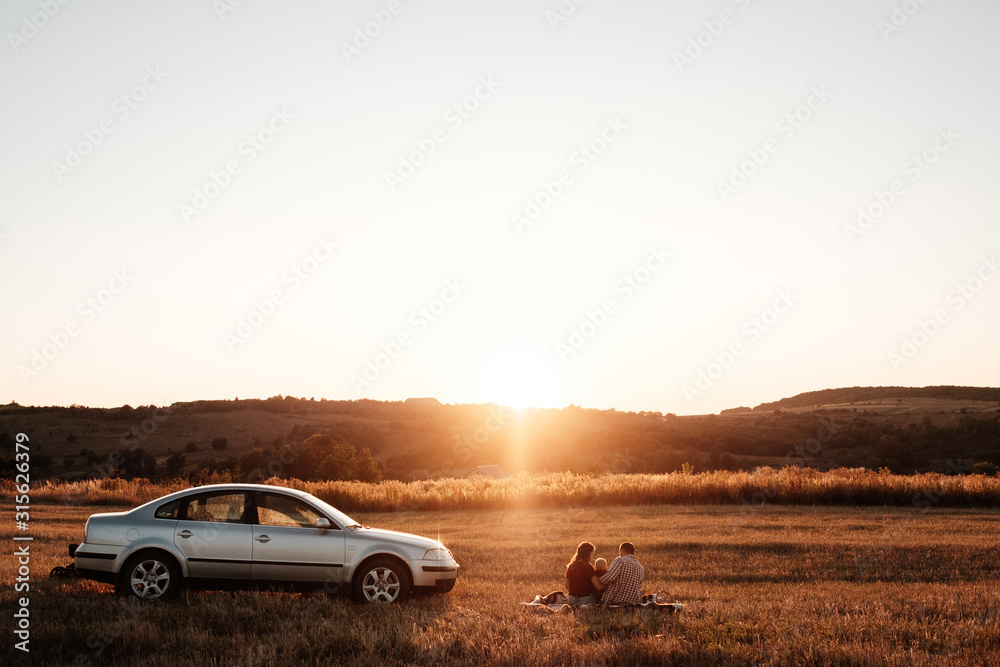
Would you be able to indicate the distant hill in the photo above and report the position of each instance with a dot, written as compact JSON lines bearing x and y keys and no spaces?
{"x":905,"y":429}
{"x":849,"y":395}
{"x":431,"y":402}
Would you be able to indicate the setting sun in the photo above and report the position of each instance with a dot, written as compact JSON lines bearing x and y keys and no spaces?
{"x":520,"y":380}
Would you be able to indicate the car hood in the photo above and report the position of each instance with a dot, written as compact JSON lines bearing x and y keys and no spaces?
{"x":382,"y":535}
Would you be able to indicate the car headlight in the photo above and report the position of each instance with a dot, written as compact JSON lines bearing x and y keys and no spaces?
{"x":437,"y":554}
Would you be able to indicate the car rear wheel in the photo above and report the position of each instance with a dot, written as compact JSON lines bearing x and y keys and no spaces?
{"x":150,"y":576}
{"x":382,"y":580}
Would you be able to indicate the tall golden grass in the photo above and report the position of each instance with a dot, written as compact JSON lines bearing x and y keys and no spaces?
{"x":800,"y":486}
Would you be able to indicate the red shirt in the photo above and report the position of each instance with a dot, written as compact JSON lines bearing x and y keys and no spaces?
{"x":578,"y":575}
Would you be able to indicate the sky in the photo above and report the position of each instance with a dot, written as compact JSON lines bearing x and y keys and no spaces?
{"x":667,"y":206}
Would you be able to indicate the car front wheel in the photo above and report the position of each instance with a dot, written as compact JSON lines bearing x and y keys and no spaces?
{"x":150,"y":577}
{"x":382,"y":580}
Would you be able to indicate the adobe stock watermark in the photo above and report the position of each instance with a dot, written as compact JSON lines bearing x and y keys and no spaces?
{"x":87,"y":311}
{"x":275,"y":467}
{"x":766,"y":479}
{"x":365,"y":34}
{"x":702,"y":41}
{"x":22,"y":552}
{"x":121,"y":108}
{"x":550,"y":190}
{"x":957,"y":298}
{"x":786,"y":126}
{"x":806,"y":452}
{"x":33,"y":24}
{"x":130,"y":440}
{"x":292,"y":279}
{"x":625,"y":288}
{"x":900,"y":16}
{"x":914,"y":168}
{"x":144,"y":430}
{"x":104,"y":638}
{"x":466,"y":445}
{"x":454,"y":117}
{"x":750,"y":332}
{"x":419,"y":322}
{"x":897,"y":529}
{"x":247,"y":151}
{"x":225,"y":7}
{"x":562,"y":12}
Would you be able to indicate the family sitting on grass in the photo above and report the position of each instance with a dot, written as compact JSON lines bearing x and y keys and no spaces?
{"x":590,"y":582}
{"x":593,"y":585}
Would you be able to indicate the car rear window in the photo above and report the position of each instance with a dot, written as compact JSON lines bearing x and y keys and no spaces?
{"x":217,"y":508}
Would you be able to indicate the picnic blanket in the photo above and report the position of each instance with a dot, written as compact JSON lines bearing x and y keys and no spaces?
{"x":557,"y":602}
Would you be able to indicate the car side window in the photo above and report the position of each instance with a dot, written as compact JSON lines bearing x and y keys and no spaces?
{"x":168,"y":511}
{"x":217,"y":508}
{"x":281,"y":510}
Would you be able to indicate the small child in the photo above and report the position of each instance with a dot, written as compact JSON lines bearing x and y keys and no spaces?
{"x":601,"y":566}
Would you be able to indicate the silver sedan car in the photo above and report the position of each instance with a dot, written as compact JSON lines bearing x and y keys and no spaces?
{"x":236,"y":534}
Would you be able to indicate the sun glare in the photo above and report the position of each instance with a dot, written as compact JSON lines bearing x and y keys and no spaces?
{"x":521,"y":381}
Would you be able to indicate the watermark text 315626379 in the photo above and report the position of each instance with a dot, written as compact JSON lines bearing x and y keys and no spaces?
{"x":22,"y":546}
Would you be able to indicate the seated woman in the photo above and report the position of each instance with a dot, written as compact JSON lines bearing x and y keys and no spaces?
{"x":581,"y":578}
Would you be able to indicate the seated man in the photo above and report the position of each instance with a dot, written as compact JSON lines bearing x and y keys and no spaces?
{"x":622,"y":584}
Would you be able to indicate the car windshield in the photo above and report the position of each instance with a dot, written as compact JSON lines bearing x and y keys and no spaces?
{"x":335,"y":514}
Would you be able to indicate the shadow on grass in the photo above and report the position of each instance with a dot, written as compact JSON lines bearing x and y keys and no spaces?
{"x":89,"y":624}
{"x":624,"y":624}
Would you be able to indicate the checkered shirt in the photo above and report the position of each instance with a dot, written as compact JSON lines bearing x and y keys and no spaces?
{"x":624,"y":582}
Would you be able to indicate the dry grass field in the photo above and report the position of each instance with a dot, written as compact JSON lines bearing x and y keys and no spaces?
{"x":789,"y":485}
{"x":763,"y":585}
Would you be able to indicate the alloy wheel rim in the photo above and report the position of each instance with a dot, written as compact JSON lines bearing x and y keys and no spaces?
{"x":150,"y":579}
{"x":381,"y":585}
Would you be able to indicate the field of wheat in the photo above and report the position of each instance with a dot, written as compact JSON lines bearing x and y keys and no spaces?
{"x":790,"y":485}
{"x":764,"y":584}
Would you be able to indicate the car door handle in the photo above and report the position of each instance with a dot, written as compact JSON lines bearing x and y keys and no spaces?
{"x":185,"y":534}
{"x":263,"y":538}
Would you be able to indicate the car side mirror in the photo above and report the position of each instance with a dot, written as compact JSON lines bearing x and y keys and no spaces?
{"x":322,"y":522}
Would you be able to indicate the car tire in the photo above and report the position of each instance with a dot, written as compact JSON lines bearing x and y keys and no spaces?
{"x":150,"y":576}
{"x":382,"y":580}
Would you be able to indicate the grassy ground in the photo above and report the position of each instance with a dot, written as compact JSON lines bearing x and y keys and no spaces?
{"x":764,"y":585}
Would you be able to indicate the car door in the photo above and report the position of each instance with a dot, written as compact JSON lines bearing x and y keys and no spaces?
{"x":214,"y":535}
{"x":288,"y":546}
